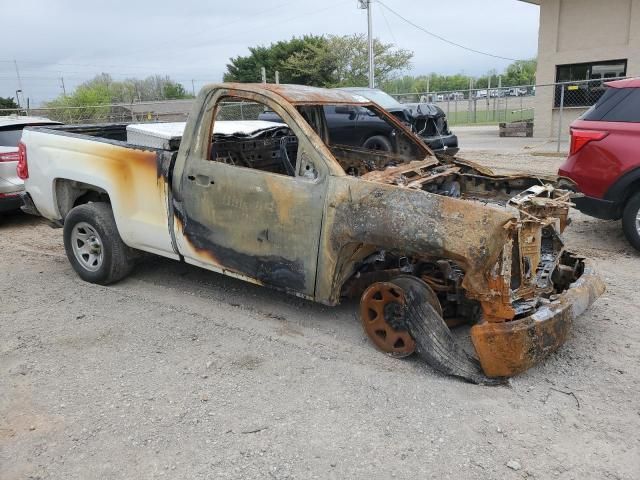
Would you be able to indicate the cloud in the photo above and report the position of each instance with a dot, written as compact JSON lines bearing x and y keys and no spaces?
{"x":193,"y":39}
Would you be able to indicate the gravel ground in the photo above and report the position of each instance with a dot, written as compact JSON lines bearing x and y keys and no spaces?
{"x":181,"y":373}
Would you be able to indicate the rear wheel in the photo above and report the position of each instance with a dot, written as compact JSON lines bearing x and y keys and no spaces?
{"x":378,"y":142}
{"x":93,"y":245}
{"x":631,"y":221}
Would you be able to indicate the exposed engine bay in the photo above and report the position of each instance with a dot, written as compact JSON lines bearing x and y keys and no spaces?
{"x":533,"y":266}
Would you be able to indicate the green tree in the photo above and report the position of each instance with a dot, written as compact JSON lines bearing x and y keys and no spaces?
{"x":274,"y":57}
{"x":7,"y":103}
{"x":350,"y":53}
{"x":90,"y":100}
{"x":174,"y":91}
{"x":522,"y":72}
{"x":325,"y":61}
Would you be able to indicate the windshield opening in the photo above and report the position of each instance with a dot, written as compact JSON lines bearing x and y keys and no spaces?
{"x":383,"y":99}
{"x":361,"y":138}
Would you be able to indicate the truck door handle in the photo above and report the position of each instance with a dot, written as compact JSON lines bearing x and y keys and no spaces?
{"x":202,"y":180}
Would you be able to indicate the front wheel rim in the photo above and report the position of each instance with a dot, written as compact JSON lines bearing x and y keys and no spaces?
{"x":87,"y":246}
{"x":382,"y":309}
{"x":638,"y":222}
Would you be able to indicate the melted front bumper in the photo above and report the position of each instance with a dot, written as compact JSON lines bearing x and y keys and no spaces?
{"x":508,"y":348}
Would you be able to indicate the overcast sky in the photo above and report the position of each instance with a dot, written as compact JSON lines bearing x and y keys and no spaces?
{"x":193,"y":39}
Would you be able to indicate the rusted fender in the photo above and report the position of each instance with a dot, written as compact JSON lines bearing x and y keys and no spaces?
{"x":508,"y":348}
{"x":412,"y":222}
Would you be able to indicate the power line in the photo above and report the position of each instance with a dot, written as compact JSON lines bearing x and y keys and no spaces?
{"x":446,"y":40}
{"x":389,"y":27}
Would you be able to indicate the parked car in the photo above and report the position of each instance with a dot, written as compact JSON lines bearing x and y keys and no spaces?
{"x":481,"y":94}
{"x":455,"y":96}
{"x":603,"y":158}
{"x":10,"y":184}
{"x":355,"y":126}
{"x":419,"y":239}
{"x":517,"y":92}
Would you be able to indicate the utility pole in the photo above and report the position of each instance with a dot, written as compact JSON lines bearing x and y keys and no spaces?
{"x":263,"y":72}
{"x":277,"y":76}
{"x":367,"y":4}
{"x":19,"y":82}
{"x":64,"y":90}
{"x":193,"y":87}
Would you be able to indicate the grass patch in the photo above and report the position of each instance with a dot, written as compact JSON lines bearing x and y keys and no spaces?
{"x":488,"y":117}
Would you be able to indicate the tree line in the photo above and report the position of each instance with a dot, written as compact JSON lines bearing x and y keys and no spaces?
{"x":318,"y":60}
{"x":102,"y":89}
{"x":335,"y":61}
{"x":522,"y":72}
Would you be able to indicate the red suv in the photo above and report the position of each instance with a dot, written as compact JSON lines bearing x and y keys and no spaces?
{"x":604,"y":159}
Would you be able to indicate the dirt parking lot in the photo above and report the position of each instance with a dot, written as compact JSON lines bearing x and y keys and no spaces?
{"x":177,"y":372}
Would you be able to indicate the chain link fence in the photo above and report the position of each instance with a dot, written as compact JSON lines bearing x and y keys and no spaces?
{"x":558,"y":103}
{"x":480,"y":105}
{"x":240,"y":111}
{"x":169,"y":111}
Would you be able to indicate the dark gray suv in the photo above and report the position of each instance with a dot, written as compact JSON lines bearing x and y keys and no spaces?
{"x":354,"y":126}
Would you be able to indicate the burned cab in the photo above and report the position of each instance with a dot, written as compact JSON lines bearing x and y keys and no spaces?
{"x":424,"y":242}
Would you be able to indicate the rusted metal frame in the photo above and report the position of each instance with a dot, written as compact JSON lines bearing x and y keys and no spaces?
{"x":428,"y":179}
{"x":393,"y":175}
{"x":475,"y":256}
{"x":350,"y":158}
{"x":505,"y":349}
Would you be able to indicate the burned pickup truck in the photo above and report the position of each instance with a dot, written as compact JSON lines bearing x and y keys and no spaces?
{"x":425,"y":242}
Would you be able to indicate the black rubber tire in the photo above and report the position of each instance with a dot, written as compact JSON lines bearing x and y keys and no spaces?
{"x":434,"y":342}
{"x":117,"y":257}
{"x":378,"y":142}
{"x":629,"y":221}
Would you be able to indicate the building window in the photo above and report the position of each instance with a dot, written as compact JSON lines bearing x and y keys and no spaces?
{"x":583,"y":82}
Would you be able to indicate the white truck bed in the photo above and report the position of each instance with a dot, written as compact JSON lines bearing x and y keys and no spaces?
{"x":167,"y":135}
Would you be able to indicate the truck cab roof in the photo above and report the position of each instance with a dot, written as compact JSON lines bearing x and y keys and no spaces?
{"x":298,"y":94}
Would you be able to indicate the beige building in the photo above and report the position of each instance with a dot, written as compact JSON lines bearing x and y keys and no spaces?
{"x":582,"y":40}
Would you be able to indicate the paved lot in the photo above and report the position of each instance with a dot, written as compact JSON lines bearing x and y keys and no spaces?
{"x":176,"y":372}
{"x":484,"y":139}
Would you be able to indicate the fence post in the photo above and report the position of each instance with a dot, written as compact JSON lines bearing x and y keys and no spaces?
{"x":560,"y":112}
{"x":486,"y":115}
{"x":470,"y":100}
{"x":521,"y":107}
{"x":506,"y":108}
{"x":455,"y":105}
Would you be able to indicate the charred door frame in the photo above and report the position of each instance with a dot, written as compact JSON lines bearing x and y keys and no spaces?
{"x":277,"y":245}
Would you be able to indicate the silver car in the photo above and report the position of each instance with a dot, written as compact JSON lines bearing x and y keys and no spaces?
{"x":10,"y":134}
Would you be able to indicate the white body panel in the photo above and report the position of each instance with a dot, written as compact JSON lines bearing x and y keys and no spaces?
{"x":160,"y":135}
{"x":9,"y":180}
{"x":129,"y":176}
